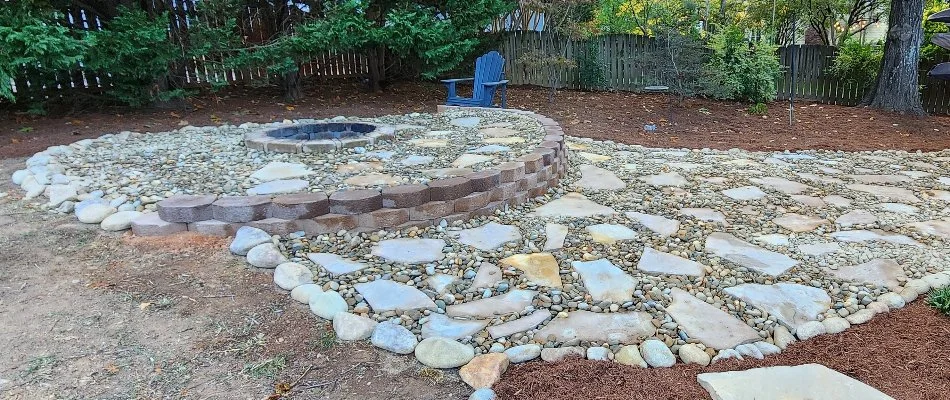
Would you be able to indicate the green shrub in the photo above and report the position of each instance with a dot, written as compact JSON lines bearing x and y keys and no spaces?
{"x":34,"y":45}
{"x":135,"y":52}
{"x":590,"y":69}
{"x":758,"y":109}
{"x":741,"y":69}
{"x":857,"y":63}
{"x":940,"y":300}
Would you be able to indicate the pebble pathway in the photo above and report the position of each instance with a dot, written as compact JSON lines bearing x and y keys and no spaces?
{"x":641,"y":256}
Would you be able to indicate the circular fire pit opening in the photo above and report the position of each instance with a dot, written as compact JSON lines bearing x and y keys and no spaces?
{"x":318,"y":137}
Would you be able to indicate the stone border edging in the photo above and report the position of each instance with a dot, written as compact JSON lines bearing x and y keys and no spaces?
{"x":396,"y":207}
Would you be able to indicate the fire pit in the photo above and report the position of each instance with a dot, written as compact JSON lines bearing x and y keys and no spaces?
{"x":319,"y":137}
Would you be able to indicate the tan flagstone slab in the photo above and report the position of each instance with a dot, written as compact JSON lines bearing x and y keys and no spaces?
{"x":748,"y":255}
{"x":705,"y":214}
{"x":620,"y":328}
{"x":666,"y":179}
{"x":781,"y":184}
{"x":512,"y":302}
{"x":519,"y":325}
{"x":886,"y":193}
{"x":658,"y":262}
{"x":879,"y":178}
{"x":556,"y":234}
{"x":939,"y":228}
{"x":661,"y":225}
{"x":604,"y":281}
{"x":802,"y":382}
{"x":593,"y":157}
{"x":710,"y":325}
{"x":468,"y":160}
{"x":880,"y":271}
{"x":596,"y":178}
{"x":572,"y":205}
{"x":372,"y":180}
{"x":610,"y":233}
{"x":792,"y":304}
{"x":441,"y":325}
{"x":856,"y":217}
{"x":539,"y":268}
{"x":799,"y":223}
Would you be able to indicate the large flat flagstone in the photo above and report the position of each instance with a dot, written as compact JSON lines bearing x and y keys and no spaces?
{"x":657,"y":262}
{"x":511,"y":302}
{"x":629,"y":327}
{"x":279,"y":186}
{"x":887,"y":193}
{"x":572,"y":205}
{"x":744,"y":193}
{"x":441,"y":325}
{"x":781,"y":184}
{"x":799,"y":223}
{"x":539,"y":268}
{"x":372,"y":180}
{"x":276,"y":170}
{"x":604,"y":281}
{"x":489,"y":236}
{"x":466,"y":122}
{"x":498,"y":132}
{"x":335,"y":264}
{"x":610,"y":233}
{"x":802,"y":382}
{"x":596,"y":178}
{"x":879,"y":178}
{"x":748,"y":255}
{"x":593,"y":157}
{"x":468,"y":160}
{"x":879,"y":271}
{"x":792,"y":304}
{"x":410,"y":251}
{"x":705,"y":214}
{"x":385,"y":296}
{"x":939,"y":228}
{"x":519,"y":325}
{"x":856,"y":217}
{"x":667,"y":179}
{"x":707,"y":323}
{"x":661,"y":225}
{"x":555,"y":233}
{"x":819,"y":249}
{"x":861,"y":236}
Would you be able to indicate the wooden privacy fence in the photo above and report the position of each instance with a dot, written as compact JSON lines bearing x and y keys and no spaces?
{"x":628,"y":67}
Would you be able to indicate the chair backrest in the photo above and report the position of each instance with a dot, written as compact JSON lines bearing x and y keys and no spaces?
{"x":489,"y":68}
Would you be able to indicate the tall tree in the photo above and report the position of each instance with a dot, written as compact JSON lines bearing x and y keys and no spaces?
{"x":896,"y":86}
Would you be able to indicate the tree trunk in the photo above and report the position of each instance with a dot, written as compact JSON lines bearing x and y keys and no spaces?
{"x":896,"y":88}
{"x":376,"y":57}
{"x":292,"y":85}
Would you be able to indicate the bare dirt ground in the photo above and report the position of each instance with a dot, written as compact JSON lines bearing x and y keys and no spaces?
{"x":621,"y":116}
{"x":85,"y":314}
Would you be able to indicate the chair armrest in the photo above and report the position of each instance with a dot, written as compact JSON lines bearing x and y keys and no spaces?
{"x":457,"y":80}
{"x":501,"y":82}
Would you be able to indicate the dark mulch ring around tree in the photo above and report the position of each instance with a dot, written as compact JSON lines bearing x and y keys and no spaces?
{"x":618,"y":116}
{"x":905,"y":354}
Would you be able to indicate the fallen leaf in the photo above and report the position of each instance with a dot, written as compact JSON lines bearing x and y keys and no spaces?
{"x":112,"y":369}
{"x":144,"y":306}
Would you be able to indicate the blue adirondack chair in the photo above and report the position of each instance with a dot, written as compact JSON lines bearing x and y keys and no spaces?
{"x":489,"y":74}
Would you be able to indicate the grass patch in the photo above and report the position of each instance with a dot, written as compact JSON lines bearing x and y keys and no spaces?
{"x":327,"y":339}
{"x":268,"y":368}
{"x":433,"y":375}
{"x":39,"y":368}
{"x":939,"y":299}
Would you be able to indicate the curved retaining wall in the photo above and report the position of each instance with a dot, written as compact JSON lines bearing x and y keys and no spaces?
{"x":395,"y":207}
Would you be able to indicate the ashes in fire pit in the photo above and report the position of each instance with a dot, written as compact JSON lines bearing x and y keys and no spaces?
{"x":321,"y":137}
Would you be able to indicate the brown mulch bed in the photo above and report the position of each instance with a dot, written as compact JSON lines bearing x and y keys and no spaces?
{"x":905,"y":354}
{"x":619,"y":116}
